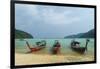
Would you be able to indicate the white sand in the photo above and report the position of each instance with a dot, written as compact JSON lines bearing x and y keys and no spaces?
{"x":28,"y":59}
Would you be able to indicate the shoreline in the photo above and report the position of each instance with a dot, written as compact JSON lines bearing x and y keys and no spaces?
{"x":32,"y":58}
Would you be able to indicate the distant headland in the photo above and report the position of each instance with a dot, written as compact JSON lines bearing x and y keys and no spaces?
{"x":89,"y":34}
{"x":19,"y":34}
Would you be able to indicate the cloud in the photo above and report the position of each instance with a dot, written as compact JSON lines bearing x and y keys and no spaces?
{"x":50,"y":15}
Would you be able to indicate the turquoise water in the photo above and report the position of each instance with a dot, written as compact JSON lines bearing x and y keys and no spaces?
{"x":20,"y":45}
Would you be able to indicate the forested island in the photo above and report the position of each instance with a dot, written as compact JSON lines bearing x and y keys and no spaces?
{"x":89,"y":34}
{"x":19,"y":34}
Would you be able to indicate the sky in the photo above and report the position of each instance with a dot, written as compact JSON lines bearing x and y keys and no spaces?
{"x":43,"y":21}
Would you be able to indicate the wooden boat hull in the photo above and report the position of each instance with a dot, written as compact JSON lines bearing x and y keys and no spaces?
{"x":80,"y":50}
{"x":55,"y":50}
{"x":36,"y":49}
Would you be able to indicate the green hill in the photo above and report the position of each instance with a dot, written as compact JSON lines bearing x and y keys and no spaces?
{"x":89,"y":34}
{"x":22,"y":35}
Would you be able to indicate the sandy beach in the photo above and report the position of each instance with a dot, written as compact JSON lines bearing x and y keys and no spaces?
{"x":29,"y":59}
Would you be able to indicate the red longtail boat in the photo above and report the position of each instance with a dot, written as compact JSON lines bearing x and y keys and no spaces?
{"x":56,"y":47}
{"x":40,"y":45}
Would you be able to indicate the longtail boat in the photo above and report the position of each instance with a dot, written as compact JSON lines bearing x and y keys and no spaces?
{"x":75,"y":46}
{"x":40,"y":45}
{"x":56,"y":48}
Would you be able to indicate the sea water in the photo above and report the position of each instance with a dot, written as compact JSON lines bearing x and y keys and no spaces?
{"x":21,"y":47}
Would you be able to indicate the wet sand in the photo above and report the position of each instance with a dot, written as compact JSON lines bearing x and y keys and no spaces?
{"x":34,"y":58}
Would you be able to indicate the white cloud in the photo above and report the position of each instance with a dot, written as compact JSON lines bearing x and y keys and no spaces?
{"x":52,"y":17}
